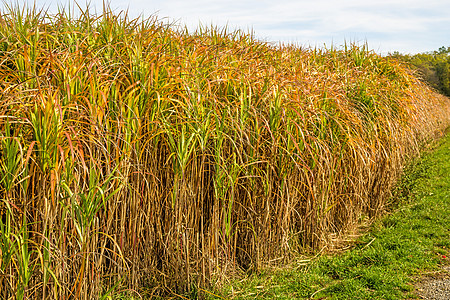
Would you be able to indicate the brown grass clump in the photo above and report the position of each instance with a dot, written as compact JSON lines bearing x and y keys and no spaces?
{"x":137,"y":156}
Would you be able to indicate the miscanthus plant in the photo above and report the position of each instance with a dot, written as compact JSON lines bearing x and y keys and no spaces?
{"x":137,"y":156}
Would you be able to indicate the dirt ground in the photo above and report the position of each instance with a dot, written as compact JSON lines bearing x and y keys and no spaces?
{"x":435,"y":286}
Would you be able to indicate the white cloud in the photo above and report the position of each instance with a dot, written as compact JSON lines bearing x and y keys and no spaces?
{"x":389,"y":22}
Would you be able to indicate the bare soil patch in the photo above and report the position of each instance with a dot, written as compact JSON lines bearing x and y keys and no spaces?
{"x":436,"y":285}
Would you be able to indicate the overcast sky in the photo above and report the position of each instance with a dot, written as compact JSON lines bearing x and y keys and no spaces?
{"x":408,"y":26}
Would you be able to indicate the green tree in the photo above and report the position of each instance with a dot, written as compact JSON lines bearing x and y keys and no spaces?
{"x":433,"y":67}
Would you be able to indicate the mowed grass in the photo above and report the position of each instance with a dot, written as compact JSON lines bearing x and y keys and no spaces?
{"x":138,"y":156}
{"x":386,"y":262}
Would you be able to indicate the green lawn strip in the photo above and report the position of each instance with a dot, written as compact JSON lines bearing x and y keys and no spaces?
{"x":385,"y":262}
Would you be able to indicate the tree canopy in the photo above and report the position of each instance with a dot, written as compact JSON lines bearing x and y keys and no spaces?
{"x":433,"y":67}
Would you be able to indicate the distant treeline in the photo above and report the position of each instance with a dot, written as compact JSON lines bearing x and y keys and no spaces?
{"x":434,"y":67}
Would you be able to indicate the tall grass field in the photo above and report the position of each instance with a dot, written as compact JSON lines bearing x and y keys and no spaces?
{"x":138,"y":157}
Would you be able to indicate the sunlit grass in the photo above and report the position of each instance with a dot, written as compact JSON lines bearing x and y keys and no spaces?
{"x":135,"y":155}
{"x":387,"y":261}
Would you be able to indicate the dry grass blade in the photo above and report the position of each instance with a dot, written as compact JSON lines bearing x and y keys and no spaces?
{"x":135,"y":155}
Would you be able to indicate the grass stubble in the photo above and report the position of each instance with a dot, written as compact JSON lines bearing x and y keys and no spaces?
{"x":137,"y":157}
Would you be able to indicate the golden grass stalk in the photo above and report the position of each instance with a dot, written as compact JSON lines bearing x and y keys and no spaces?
{"x":136,"y":155}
